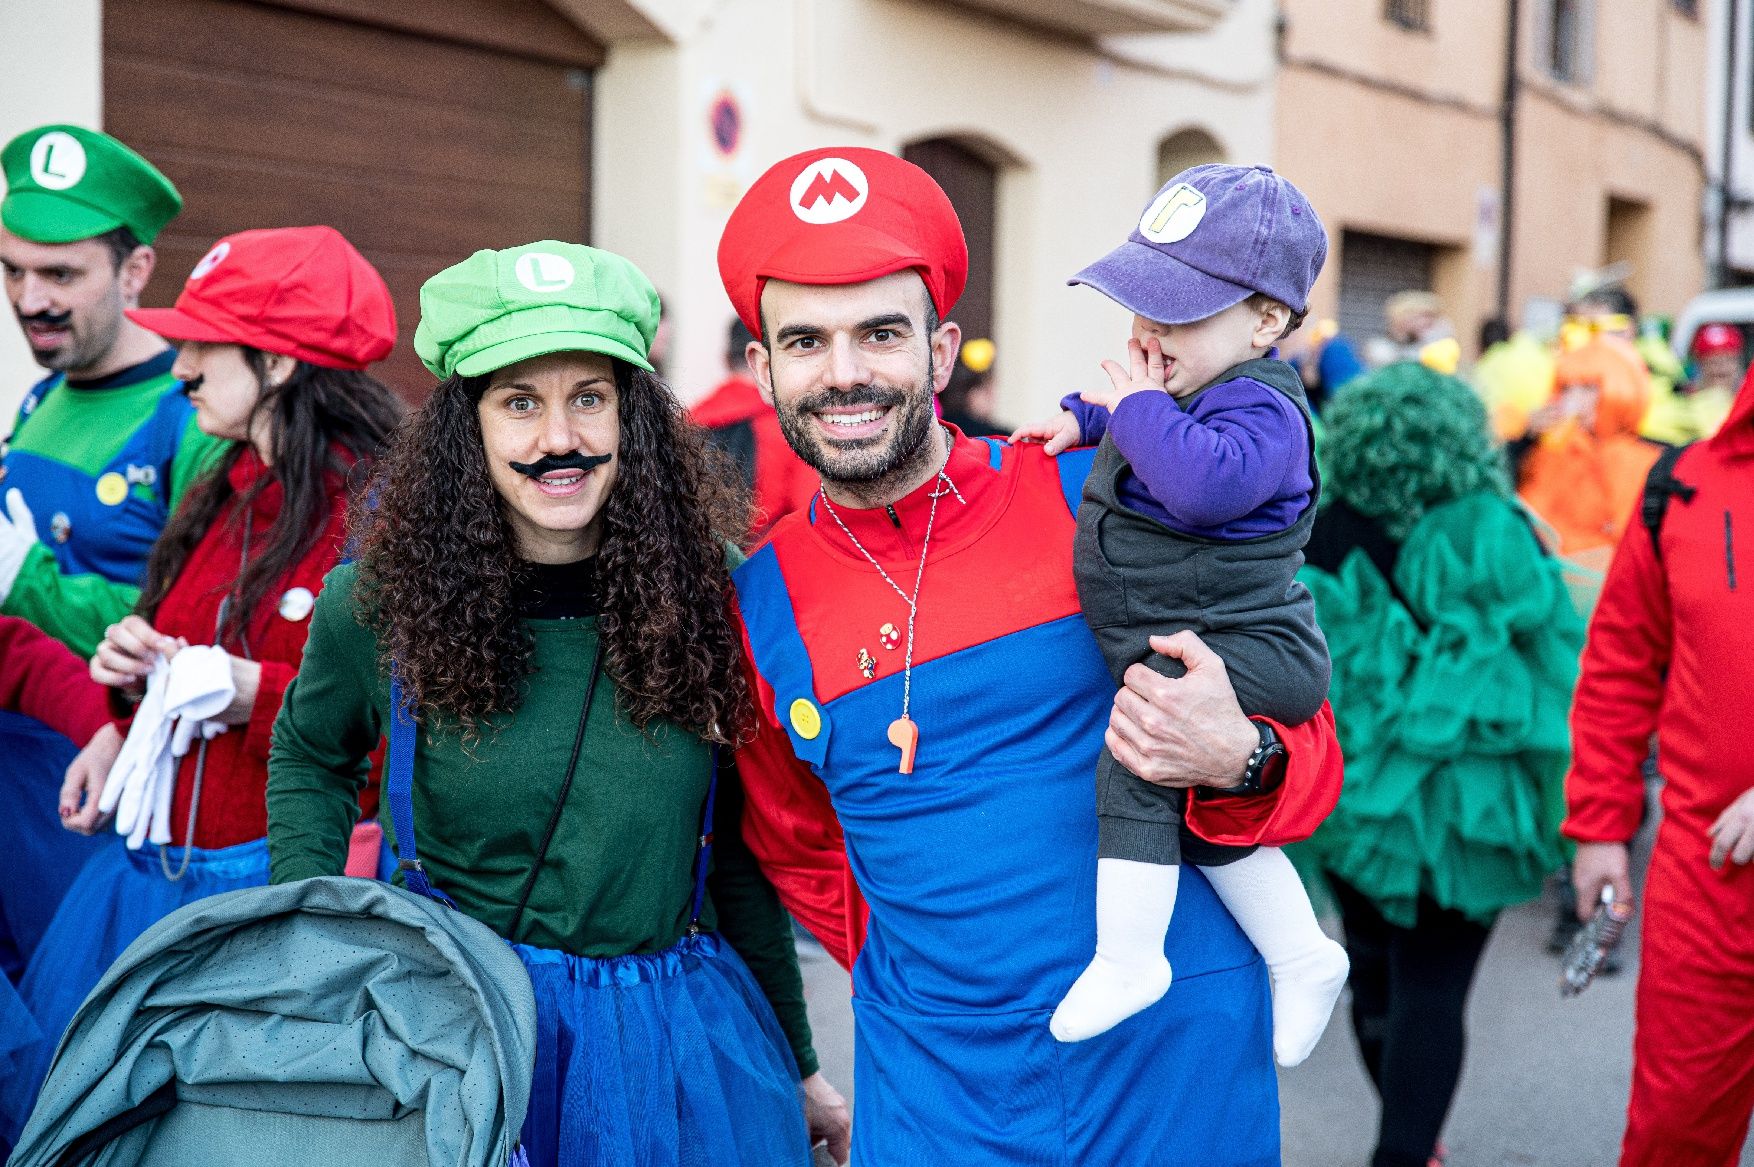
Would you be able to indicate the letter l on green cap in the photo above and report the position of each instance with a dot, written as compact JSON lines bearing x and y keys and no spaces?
{"x":67,"y":183}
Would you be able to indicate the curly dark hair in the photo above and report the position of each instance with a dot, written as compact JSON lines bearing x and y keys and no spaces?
{"x":1403,"y":440}
{"x":439,"y":572}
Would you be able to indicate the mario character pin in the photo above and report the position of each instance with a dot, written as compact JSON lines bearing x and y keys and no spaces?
{"x":867,"y":664}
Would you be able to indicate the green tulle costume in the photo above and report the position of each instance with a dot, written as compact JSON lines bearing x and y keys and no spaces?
{"x":1453,"y":724}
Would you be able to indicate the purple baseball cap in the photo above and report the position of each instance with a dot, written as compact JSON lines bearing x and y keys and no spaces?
{"x":1214,"y":236}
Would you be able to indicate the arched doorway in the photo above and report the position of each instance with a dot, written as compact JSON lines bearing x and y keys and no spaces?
{"x":1185,"y":148}
{"x":972,"y":182}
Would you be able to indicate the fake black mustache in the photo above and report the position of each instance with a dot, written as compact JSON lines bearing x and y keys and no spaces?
{"x":568,"y":461}
{"x":193,"y":385}
{"x":51,"y":319}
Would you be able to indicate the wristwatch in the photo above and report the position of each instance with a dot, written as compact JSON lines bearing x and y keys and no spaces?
{"x":1263,"y":774}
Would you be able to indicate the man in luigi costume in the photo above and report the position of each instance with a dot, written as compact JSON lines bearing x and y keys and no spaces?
{"x":96,"y":460}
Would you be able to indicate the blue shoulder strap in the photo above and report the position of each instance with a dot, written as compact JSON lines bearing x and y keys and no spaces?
{"x":703,"y":856}
{"x":1074,"y":467}
{"x":995,"y":451}
{"x":399,"y":791}
{"x":780,"y":656}
{"x":33,"y":397}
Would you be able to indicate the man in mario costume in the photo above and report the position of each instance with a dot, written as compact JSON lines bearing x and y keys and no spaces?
{"x":930,"y":703}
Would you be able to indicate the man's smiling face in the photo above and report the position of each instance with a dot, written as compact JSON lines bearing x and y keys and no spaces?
{"x":851,"y":370}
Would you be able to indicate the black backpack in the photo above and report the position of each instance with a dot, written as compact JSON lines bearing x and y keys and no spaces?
{"x":1660,"y":485}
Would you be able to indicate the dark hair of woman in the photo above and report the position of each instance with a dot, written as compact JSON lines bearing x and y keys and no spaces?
{"x":440,"y":575}
{"x":321,"y":422}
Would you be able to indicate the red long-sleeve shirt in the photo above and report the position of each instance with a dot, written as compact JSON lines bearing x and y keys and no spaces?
{"x":234,"y":786}
{"x":41,"y":678}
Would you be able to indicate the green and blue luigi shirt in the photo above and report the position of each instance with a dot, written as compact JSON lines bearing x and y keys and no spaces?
{"x":102,"y":464}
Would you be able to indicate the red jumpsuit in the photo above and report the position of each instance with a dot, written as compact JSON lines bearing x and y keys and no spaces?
{"x":1671,"y":649}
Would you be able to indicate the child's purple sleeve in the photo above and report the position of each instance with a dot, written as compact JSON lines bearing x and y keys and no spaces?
{"x":1220,"y":461}
{"x":1092,"y":419}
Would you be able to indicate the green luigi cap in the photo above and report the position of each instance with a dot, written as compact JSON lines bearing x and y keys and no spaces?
{"x":67,"y":183}
{"x":497,"y":308}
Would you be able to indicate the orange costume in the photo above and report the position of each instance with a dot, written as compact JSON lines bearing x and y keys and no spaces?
{"x":1585,"y":477}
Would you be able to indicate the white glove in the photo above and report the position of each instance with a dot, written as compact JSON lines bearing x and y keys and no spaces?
{"x":18,"y":534}
{"x":129,"y":788}
{"x":182,"y":695}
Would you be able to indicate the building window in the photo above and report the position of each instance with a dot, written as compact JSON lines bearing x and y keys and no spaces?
{"x":1414,"y":15}
{"x":1566,"y":43}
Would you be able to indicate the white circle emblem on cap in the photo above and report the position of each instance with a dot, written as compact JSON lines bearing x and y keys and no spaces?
{"x":211,"y":260}
{"x":1173,"y":215}
{"x":544,"y":271}
{"x":829,"y":190}
{"x":57,"y":160}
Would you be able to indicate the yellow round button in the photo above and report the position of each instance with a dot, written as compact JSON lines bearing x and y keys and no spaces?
{"x":806,"y":719}
{"x":112,"y":488}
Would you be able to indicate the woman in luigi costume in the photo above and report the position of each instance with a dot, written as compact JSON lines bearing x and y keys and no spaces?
{"x":539,"y":621}
{"x":275,"y":328}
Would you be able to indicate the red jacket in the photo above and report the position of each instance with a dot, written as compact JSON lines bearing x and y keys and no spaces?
{"x":234,"y":791}
{"x":781,"y":481}
{"x":1671,"y":650}
{"x":41,"y":678}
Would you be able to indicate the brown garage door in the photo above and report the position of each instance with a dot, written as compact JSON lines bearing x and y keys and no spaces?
{"x":420,"y":136}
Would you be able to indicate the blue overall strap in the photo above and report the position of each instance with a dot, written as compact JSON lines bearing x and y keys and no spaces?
{"x":399,"y":791}
{"x":34,"y":396}
{"x":995,"y":451}
{"x":703,"y":856}
{"x":1074,"y":467}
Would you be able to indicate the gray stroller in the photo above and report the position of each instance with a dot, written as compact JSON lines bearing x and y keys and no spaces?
{"x":331,"y":1021}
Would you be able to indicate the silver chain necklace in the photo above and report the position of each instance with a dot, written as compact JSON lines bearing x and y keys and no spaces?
{"x":904,"y":732}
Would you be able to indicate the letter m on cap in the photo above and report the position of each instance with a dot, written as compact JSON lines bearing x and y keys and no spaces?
{"x":828,"y":191}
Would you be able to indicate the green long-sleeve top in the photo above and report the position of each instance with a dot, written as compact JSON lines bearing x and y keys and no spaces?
{"x":619,"y":875}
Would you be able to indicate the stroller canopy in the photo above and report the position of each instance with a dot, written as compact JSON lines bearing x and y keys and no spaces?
{"x":333,"y":1020}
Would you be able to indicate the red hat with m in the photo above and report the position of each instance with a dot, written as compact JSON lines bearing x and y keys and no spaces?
{"x":841,"y":215}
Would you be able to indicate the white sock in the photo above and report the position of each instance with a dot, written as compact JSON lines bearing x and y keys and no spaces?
{"x":1134,"y":902}
{"x":1308,"y":970}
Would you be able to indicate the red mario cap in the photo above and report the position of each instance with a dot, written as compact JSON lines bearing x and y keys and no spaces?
{"x":303,"y":292}
{"x":841,"y":215}
{"x":1716,"y":339}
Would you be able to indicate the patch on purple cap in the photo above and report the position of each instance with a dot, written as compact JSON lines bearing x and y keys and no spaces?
{"x":1173,"y":214}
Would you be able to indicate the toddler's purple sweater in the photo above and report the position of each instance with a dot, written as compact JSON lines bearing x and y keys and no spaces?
{"x":1234,"y":465}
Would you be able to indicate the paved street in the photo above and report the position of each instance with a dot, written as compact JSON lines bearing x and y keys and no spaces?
{"x":1545,"y":1084}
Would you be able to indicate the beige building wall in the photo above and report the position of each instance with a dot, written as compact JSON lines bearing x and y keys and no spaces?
{"x":1075,"y":126}
{"x":1397,"y":133}
{"x":51,"y":70}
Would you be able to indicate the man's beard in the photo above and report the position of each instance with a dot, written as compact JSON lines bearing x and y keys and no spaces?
{"x":89,"y":339}
{"x":906,"y":443}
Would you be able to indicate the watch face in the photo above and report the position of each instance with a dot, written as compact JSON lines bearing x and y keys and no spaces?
{"x":1272,"y":771}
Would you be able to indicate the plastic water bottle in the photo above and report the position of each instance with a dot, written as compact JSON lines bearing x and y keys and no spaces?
{"x":1593,"y":944}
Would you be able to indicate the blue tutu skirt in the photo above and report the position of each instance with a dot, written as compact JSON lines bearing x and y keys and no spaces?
{"x":43,"y":858}
{"x":669,"y":1060}
{"x":119,"y":894}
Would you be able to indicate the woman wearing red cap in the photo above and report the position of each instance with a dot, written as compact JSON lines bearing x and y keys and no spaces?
{"x":276,"y":329}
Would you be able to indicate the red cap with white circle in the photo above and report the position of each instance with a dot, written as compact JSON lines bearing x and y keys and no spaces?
{"x":1714,"y":340}
{"x":841,"y":215}
{"x":304,"y":292}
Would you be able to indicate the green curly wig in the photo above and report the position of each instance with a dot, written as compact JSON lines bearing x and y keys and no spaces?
{"x":1404,"y":439}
